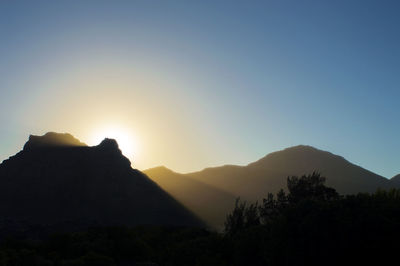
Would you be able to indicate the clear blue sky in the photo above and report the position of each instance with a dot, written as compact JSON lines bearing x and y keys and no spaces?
{"x":206,"y":83}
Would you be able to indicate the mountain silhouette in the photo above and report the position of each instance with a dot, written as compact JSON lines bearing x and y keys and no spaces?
{"x":56,"y":179}
{"x":52,"y":139}
{"x":395,"y":181}
{"x":204,"y":200}
{"x":269,"y":174}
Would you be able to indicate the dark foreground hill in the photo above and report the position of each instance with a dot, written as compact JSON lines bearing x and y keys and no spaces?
{"x":309,"y":225}
{"x":58,"y":179}
{"x":269,"y":174}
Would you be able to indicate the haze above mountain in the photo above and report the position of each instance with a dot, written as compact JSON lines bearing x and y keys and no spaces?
{"x":269,"y":174}
{"x":56,"y":179}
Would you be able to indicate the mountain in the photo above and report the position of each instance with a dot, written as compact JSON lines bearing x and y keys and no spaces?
{"x":57,"y":179}
{"x":269,"y":174}
{"x":395,"y":181}
{"x":204,"y":200}
{"x":52,"y":139}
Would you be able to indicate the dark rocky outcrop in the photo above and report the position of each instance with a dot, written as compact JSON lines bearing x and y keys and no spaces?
{"x":58,"y":179}
{"x":52,"y":139}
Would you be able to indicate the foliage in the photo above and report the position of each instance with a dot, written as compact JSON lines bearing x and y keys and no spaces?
{"x":243,"y":216}
{"x":313,"y":222}
{"x":309,"y":187}
{"x":309,"y":225}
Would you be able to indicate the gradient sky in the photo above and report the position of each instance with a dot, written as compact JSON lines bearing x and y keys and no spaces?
{"x":198,"y":84}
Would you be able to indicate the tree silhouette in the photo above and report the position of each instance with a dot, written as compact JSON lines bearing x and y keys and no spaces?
{"x":309,"y":187}
{"x":306,"y":187}
{"x":243,"y":216}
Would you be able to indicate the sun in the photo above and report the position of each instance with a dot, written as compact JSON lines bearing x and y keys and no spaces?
{"x":125,"y":138}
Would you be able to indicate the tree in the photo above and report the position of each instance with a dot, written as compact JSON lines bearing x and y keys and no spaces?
{"x":242,"y":217}
{"x":272,"y":207}
{"x":306,"y":187}
{"x":309,"y":187}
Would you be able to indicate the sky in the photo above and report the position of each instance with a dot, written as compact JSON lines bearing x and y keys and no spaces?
{"x":194,"y":84}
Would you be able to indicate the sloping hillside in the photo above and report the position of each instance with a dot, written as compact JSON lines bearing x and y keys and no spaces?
{"x":204,"y":200}
{"x":269,"y":174}
{"x":210,"y":193}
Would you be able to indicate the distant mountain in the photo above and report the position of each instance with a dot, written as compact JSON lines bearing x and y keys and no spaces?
{"x":269,"y":174}
{"x":395,"y":181}
{"x":204,"y":200}
{"x":56,"y":179}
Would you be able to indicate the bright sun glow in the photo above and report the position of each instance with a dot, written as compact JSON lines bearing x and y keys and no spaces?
{"x":126,"y":141}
